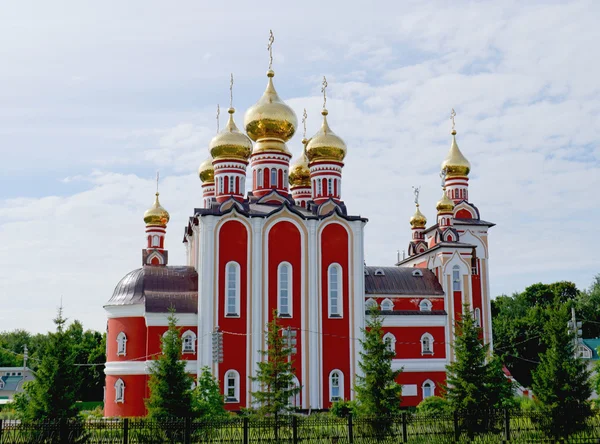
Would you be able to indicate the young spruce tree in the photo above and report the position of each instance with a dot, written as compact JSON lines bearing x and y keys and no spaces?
{"x":170,"y":385}
{"x":275,"y":373}
{"x":377,"y":390}
{"x":561,"y":380}
{"x":207,"y":399}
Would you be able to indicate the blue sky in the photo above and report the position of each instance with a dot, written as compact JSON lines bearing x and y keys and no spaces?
{"x":95,"y":98}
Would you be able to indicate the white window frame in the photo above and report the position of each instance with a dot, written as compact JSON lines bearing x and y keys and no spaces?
{"x":387,"y":302}
{"x":285,"y":179}
{"x":119,"y":391}
{"x":294,"y":400}
{"x":156,"y":240}
{"x":221,"y":186}
{"x":477,"y":317}
{"x":425,"y":305}
{"x":259,"y":178}
{"x":319,"y":188}
{"x":340,"y":292}
{"x":330,"y":187}
{"x":424,"y":351}
{"x":122,"y":344}
{"x":371,"y":303}
{"x":432,"y":387}
{"x":456,"y":278}
{"x":227,"y":300}
{"x":236,"y":387}
{"x":192,"y":335}
{"x":289,"y":289}
{"x":340,"y":375}
{"x":274,"y":173}
{"x":390,"y":341}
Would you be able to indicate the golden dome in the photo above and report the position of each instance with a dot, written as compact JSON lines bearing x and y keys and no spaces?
{"x":230,"y":143}
{"x":271,"y":120}
{"x":456,"y":164}
{"x":418,"y":220}
{"x":326,"y":145}
{"x":299,"y":171}
{"x":444,"y":205}
{"x":206,"y":170}
{"x":156,"y":216}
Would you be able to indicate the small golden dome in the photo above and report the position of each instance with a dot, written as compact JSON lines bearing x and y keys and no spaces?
{"x":456,"y":164}
{"x":325,"y":144}
{"x":206,"y":170}
{"x":299,"y":171}
{"x":230,"y":143}
{"x":418,"y":220}
{"x":156,"y":216}
{"x":444,"y":205}
{"x":270,"y":119}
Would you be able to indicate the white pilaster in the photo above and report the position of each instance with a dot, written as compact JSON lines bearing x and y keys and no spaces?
{"x":314,"y":375}
{"x":255,"y":305}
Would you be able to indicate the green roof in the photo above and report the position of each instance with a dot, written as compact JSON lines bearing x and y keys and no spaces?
{"x":593,"y":344}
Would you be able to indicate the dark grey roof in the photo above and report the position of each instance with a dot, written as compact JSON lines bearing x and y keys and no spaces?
{"x":400,"y":280}
{"x":473,"y":222}
{"x":411,"y":313}
{"x":159,"y":288}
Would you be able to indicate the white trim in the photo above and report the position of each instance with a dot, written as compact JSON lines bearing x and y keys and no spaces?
{"x":371,"y":303}
{"x":162,"y":319}
{"x":124,"y":311}
{"x":290,"y":290}
{"x":428,"y":305}
{"x":414,"y":320}
{"x":236,"y":387}
{"x":392,"y":341}
{"x":430,"y":342}
{"x":238,"y":276}
{"x":340,"y":385}
{"x":122,"y":344}
{"x":430,"y":382}
{"x":119,"y":391}
{"x":192,"y":335}
{"x":387,"y":301}
{"x":420,"y":365}
{"x":116,"y":368}
{"x":340,"y":291}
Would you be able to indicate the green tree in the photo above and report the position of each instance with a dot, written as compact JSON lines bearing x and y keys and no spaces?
{"x":207,"y":399}
{"x":170,"y":385}
{"x":377,"y":390}
{"x":275,"y":373}
{"x":88,"y":348}
{"x":561,"y":381}
{"x":587,"y":307}
{"x":52,"y":394}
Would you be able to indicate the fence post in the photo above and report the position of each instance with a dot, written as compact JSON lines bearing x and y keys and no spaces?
{"x":126,"y":431}
{"x":187,"y":434}
{"x":404,"y":428}
{"x":506,"y":425}
{"x":350,"y":430}
{"x":1,"y":428}
{"x":456,"y":428}
{"x":295,"y":429}
{"x":246,"y":424}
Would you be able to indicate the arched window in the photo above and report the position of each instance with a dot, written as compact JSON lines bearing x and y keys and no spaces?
{"x":232,"y":386}
{"x":284,"y":289}
{"x":336,"y":385}
{"x":387,"y":305}
{"x":477,"y":317}
{"x":335,"y":290}
{"x":155,"y":241}
{"x":370,"y":304}
{"x":294,"y":400}
{"x":259,"y":182}
{"x":231,"y":186}
{"x":390,"y":342}
{"x":119,"y":391}
{"x":273,"y":177}
{"x":456,"y":278}
{"x":426,"y":344}
{"x":428,"y":389}
{"x":232,"y":289}
{"x":242,"y":189}
{"x":121,"y":344}
{"x":188,"y":342}
{"x":425,"y":305}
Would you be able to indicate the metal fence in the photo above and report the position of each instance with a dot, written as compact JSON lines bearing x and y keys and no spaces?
{"x":499,"y":426}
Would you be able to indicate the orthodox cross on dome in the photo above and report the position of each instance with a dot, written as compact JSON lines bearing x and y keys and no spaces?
{"x":304,"y":117}
{"x":452,"y":116}
{"x":443,"y":175}
{"x":231,"y":91}
{"x":324,"y":91}
{"x":270,"y":48}
{"x":218,"y":114}
{"x":416,"y":191}
{"x":157,"y":177}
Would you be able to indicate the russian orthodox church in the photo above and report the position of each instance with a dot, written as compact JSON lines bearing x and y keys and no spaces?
{"x":290,"y":246}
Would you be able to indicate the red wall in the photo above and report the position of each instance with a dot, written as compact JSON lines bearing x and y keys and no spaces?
{"x":135,"y":393}
{"x":155,"y":335}
{"x":408,"y":341}
{"x":135,"y":330}
{"x":336,"y":346}
{"x":285,"y":245}
{"x":418,"y":378}
{"x":409,"y":303}
{"x":233,"y":246}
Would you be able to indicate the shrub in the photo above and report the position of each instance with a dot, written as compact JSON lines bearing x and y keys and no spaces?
{"x":343,"y":409}
{"x":434,"y":405}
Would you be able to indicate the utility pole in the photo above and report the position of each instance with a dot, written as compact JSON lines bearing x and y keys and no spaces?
{"x":575,"y":327}
{"x":25,"y":357}
{"x":217,"y":346}
{"x":290,"y":341}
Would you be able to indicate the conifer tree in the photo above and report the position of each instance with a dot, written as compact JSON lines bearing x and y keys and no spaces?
{"x":208,"y":400}
{"x":170,"y":385}
{"x":377,"y":390}
{"x":561,"y":380}
{"x":275,"y":373}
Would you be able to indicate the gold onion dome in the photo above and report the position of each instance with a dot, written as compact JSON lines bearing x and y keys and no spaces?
{"x":299,"y":171}
{"x":270,"y":121}
{"x":156,"y":215}
{"x":230,"y":143}
{"x":456,"y":164}
{"x":325,"y":144}
{"x":444,"y":205}
{"x":206,"y":171}
{"x":418,"y":220}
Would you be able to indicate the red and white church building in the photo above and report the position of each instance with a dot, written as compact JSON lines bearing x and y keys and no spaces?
{"x":291,"y":245}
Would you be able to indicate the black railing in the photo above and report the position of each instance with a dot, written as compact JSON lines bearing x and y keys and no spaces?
{"x":498,"y":426}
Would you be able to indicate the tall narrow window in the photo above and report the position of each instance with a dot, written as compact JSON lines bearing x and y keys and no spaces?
{"x":188,"y":340}
{"x":232,"y":386}
{"x":477,"y":316}
{"x":284,"y":289}
{"x":336,"y":385}
{"x":231,"y":185}
{"x":390,"y":342}
{"x":221,"y":185}
{"x":428,"y":389}
{"x":456,"y":278}
{"x":427,"y":344}
{"x":259,"y":183}
{"x":330,"y":186}
{"x":319,"y":188}
{"x":121,"y":344}
{"x":285,"y":179}
{"x":232,"y":289}
{"x":335,"y":290}
{"x":273,"y":178}
{"x":155,"y":241}
{"x":119,"y":391}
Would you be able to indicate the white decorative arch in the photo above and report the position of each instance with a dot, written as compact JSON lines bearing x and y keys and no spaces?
{"x":188,"y":342}
{"x":122,"y":344}
{"x":155,"y":254}
{"x":231,"y":301}
{"x":232,"y":386}
{"x":425,"y":305}
{"x":428,"y":388}
{"x":390,"y":341}
{"x":426,"y":344}
{"x":387,"y":305}
{"x":371,"y":303}
{"x":119,"y":391}
{"x":336,"y":385}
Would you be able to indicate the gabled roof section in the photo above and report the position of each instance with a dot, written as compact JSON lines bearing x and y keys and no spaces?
{"x":401,"y":281}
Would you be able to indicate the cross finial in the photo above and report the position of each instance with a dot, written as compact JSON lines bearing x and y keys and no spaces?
{"x":324,"y":91}
{"x":218,"y":114}
{"x":231,"y":91}
{"x":270,"y":47}
{"x":452,"y":116}
{"x":443,"y":175}
{"x":416,"y":191}
{"x":304,"y":117}
{"x":157,"y":177}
